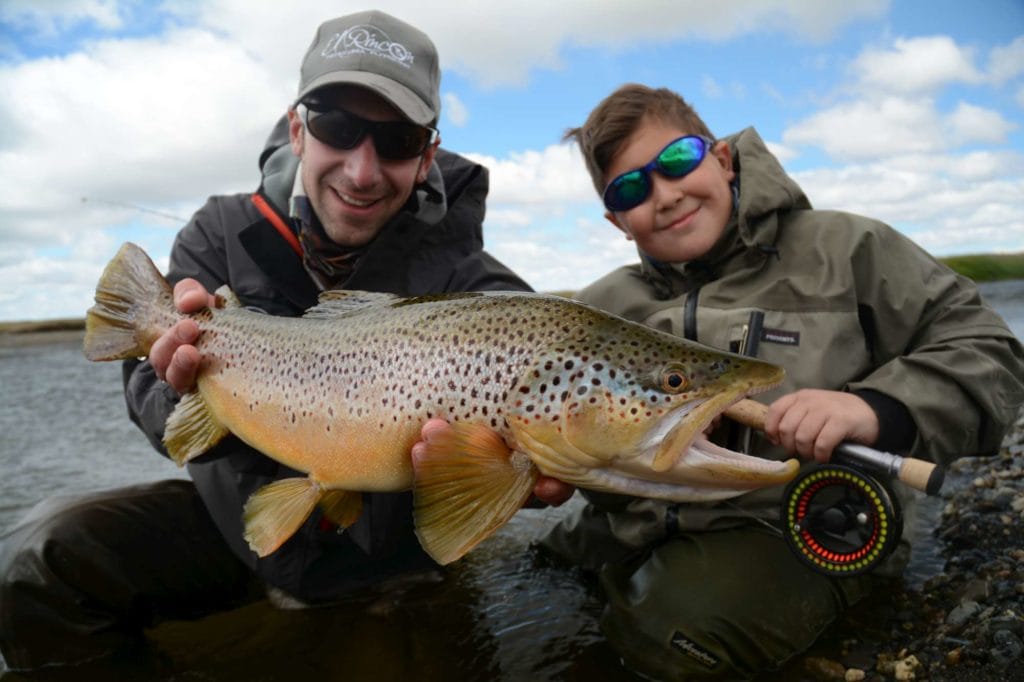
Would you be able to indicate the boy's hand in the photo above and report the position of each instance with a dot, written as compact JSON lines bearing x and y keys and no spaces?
{"x":812,"y":422}
{"x":548,"y":490}
{"x":174,"y":356}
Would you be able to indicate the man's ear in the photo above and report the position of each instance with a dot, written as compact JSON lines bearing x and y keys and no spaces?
{"x":426,"y":160}
{"x":614,"y":220}
{"x":295,"y":132}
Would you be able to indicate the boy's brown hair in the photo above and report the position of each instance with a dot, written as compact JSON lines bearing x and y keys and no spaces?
{"x":620,"y":114}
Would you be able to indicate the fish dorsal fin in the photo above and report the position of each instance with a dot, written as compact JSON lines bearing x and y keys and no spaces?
{"x":192,"y":429}
{"x":339,"y":303}
{"x":273,"y":513}
{"x":227,"y":297}
{"x":467,"y":485}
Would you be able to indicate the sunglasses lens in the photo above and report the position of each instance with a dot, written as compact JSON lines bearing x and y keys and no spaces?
{"x":394,"y":140}
{"x":681,"y":157}
{"x":336,"y":128}
{"x":397,"y":140}
{"x":627,"y":191}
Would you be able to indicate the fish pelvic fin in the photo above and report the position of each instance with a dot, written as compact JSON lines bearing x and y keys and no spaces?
{"x":122,"y":323}
{"x":342,"y":507}
{"x":273,"y":513}
{"x":466,"y":486}
{"x":192,"y":429}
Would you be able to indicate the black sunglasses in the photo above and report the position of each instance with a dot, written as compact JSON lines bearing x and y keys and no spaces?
{"x":393,"y":140}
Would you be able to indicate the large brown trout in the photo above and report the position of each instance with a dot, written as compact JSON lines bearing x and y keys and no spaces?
{"x":529,"y":383}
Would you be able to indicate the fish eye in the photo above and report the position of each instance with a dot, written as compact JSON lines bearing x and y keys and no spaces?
{"x":673,"y":380}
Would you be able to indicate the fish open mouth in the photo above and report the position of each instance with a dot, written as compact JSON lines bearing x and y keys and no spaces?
{"x":685,"y":454}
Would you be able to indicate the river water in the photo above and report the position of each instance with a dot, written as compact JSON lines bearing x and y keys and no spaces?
{"x":500,"y":613}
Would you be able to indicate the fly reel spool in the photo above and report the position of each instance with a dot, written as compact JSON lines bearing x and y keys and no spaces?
{"x":839,"y":520}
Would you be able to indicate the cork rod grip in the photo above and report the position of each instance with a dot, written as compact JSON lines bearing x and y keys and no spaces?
{"x":916,"y":473}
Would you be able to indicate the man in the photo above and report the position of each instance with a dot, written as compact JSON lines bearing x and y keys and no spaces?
{"x":356,"y":193}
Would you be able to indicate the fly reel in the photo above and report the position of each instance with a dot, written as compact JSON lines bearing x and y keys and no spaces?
{"x":839,"y":520}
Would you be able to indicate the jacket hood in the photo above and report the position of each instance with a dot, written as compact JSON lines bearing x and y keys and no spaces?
{"x":764,"y":188}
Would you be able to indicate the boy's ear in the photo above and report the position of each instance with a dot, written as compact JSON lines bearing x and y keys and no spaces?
{"x":614,"y":220}
{"x":723,"y":153}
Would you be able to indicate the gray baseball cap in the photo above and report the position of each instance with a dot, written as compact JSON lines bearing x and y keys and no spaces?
{"x":379,"y":52}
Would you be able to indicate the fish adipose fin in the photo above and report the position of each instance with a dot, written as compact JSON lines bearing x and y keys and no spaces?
{"x":274,"y":512}
{"x":191,"y":429}
{"x":115,"y":327}
{"x":467,"y":485}
{"x":342,"y":507}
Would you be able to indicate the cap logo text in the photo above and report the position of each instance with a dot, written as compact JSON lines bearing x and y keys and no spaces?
{"x":366,"y":39}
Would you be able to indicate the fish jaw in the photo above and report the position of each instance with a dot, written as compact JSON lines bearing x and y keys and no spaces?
{"x":704,"y":473}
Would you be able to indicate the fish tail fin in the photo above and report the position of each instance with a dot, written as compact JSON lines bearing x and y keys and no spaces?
{"x":468,"y":484}
{"x":192,"y":429}
{"x":273,"y":513}
{"x":133,"y":304}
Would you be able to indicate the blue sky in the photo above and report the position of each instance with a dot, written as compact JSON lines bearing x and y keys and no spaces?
{"x":120,"y":118}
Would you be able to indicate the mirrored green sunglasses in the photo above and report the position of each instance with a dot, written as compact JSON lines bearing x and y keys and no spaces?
{"x":678,"y":158}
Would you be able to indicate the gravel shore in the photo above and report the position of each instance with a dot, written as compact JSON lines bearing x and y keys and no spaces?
{"x":964,"y":625}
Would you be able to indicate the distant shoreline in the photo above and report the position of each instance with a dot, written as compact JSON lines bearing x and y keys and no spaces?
{"x":979,"y":267}
{"x":20,"y":334}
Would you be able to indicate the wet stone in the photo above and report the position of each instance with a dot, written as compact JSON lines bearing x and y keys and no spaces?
{"x":1007,"y":648}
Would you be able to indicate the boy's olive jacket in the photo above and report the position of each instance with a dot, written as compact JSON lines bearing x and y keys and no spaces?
{"x":848,"y":304}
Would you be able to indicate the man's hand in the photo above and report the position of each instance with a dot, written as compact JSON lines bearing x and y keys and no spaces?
{"x":548,"y":490}
{"x":812,"y":422}
{"x":174,"y":356}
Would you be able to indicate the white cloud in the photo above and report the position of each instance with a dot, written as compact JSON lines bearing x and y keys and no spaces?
{"x":552,"y":176}
{"x":916,"y":65}
{"x":454,"y":110}
{"x":864,"y":129}
{"x":959,"y":198}
{"x":142,"y":121}
{"x":499,"y":44}
{"x":976,"y":124}
{"x":559,"y":255}
{"x":54,"y":16}
{"x":869,"y":129}
{"x":1007,"y":61}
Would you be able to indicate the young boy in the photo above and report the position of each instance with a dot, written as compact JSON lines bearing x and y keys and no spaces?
{"x":882,"y":346}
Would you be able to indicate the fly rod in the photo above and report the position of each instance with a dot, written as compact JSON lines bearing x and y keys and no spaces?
{"x":917,"y":473}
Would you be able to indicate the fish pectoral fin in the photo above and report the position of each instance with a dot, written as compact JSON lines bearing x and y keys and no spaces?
{"x":467,"y":485}
{"x":273,"y":513}
{"x":192,"y":429}
{"x":342,"y":507}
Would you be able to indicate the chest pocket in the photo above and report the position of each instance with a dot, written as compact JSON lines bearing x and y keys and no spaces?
{"x":818,"y":349}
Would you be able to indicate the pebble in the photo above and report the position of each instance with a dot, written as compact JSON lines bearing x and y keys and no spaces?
{"x":1007,"y":648}
{"x":824,"y":669}
{"x":963,"y":612}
